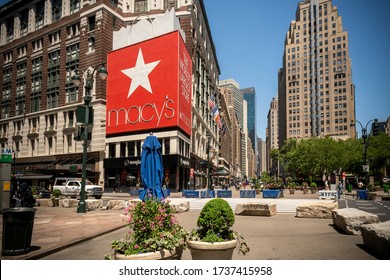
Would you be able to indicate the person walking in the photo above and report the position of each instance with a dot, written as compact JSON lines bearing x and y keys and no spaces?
{"x":26,"y":196}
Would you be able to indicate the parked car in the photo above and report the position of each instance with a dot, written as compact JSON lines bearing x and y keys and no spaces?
{"x":72,"y":187}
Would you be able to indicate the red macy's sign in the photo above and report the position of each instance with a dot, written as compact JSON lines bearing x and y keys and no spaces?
{"x":149,"y":86}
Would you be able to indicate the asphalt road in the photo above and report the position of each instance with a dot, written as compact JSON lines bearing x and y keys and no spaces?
{"x":378,"y":207}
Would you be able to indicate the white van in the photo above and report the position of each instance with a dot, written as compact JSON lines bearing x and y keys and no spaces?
{"x":72,"y":187}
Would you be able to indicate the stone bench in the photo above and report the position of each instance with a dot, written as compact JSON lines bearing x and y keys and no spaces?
{"x":377,"y":238}
{"x":316,"y":210}
{"x":256,"y":209}
{"x":68,"y":202}
{"x":180,"y":207}
{"x":116,"y":204}
{"x":327,"y":194}
{"x":44,"y":202}
{"x":350,"y":220}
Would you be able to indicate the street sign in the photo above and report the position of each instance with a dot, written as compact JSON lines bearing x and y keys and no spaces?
{"x":366,"y":168}
{"x":6,"y":155}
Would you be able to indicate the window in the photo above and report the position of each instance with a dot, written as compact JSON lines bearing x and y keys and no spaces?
{"x":131,"y":149}
{"x":10,"y":29}
{"x":39,"y":15}
{"x":74,"y":6}
{"x":91,"y":23}
{"x":56,"y":10}
{"x":23,"y":23}
{"x":114,"y":3}
{"x":37,"y":45}
{"x":91,"y":44}
{"x":111,"y":150}
{"x":170,"y":4}
{"x":140,"y":6}
{"x":167,"y":147}
{"x":49,"y":145}
{"x":73,"y":30}
{"x":122,"y":150}
{"x":36,"y":84}
{"x":54,"y":38}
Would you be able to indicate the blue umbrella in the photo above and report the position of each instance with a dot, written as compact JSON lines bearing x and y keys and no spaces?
{"x":151,"y":169}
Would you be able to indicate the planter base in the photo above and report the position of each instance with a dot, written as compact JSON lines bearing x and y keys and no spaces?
{"x":212,"y":251}
{"x":160,"y":255}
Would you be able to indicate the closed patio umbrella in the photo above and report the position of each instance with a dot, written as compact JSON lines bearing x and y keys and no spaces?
{"x":151,"y":169}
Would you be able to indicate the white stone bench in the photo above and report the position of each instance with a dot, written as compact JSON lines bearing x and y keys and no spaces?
{"x":321,"y":210}
{"x":68,"y":202}
{"x":350,"y":220}
{"x":256,"y":209}
{"x":327,"y":194}
{"x":377,"y":238}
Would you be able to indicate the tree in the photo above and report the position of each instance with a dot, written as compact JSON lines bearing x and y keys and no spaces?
{"x":378,"y":154}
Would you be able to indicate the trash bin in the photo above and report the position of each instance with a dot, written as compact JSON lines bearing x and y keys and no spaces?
{"x":17,"y":230}
{"x":386,"y":188}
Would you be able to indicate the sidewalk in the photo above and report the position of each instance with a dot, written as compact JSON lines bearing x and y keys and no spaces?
{"x":57,"y":228}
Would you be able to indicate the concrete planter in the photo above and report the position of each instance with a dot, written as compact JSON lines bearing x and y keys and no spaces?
{"x":212,"y":251}
{"x":371,"y":195}
{"x":159,"y":255}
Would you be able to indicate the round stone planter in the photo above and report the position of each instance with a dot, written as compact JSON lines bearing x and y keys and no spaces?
{"x":292,"y":191}
{"x":371,"y":195}
{"x":160,"y":255}
{"x":212,"y":251}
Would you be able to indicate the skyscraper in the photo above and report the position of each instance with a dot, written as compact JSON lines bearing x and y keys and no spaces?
{"x":316,"y":92}
{"x":250,"y":97}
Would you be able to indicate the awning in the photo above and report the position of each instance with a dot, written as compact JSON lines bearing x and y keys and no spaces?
{"x":32,"y":177}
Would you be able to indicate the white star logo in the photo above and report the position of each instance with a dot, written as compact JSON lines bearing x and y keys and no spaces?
{"x":139,"y":74}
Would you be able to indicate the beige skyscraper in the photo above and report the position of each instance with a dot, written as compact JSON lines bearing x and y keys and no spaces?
{"x":316,"y":93}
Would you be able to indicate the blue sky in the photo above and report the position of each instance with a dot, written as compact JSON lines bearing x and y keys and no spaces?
{"x":249,"y":38}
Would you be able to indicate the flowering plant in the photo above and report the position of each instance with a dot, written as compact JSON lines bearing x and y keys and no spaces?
{"x":153,"y":227}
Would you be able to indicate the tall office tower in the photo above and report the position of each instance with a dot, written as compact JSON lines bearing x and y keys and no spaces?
{"x":238,"y":96}
{"x":235,"y":133}
{"x":272,"y":141}
{"x":316,"y":93}
{"x":262,"y":157}
{"x":250,"y":98}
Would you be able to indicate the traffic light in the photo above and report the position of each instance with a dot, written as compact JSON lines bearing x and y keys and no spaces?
{"x":79,"y":133}
{"x":376,"y":128}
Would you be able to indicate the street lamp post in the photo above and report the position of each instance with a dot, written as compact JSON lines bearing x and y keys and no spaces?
{"x":88,"y":84}
{"x":365,"y":145}
{"x":208,"y":163}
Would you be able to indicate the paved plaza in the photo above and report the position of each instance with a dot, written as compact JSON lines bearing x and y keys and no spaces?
{"x":62,"y":233}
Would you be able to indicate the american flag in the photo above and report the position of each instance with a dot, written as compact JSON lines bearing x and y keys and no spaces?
{"x":211,"y":103}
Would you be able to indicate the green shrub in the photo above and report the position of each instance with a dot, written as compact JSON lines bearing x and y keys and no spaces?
{"x":56,"y":193}
{"x":313,"y":185}
{"x":216,"y":220}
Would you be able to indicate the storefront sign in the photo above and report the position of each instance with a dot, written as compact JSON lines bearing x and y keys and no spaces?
{"x":149,"y":86}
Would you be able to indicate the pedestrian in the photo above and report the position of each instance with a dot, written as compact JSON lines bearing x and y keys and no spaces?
{"x":360,"y":185}
{"x":26,"y":196}
{"x":339,"y":190}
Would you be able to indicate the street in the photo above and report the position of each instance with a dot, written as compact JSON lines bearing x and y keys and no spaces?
{"x":377,"y":207}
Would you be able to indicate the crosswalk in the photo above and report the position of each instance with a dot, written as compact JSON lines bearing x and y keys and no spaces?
{"x":282,"y":205}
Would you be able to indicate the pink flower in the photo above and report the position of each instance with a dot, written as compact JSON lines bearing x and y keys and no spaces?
{"x":136,"y":246}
